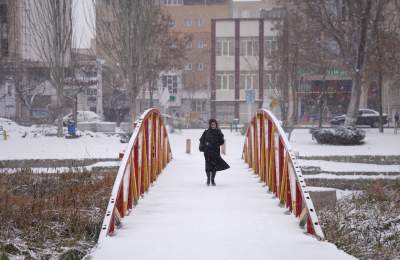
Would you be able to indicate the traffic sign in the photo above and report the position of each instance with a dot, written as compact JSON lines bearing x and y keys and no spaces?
{"x":250,"y":96}
{"x":172,"y":98}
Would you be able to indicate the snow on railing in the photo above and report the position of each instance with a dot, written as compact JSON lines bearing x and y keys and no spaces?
{"x":269,"y":153}
{"x":147,"y":154}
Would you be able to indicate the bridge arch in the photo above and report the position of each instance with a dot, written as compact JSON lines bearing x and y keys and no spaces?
{"x":268,"y":152}
{"x":146,"y":155}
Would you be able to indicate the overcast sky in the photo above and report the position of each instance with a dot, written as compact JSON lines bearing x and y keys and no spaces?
{"x":83,"y":23}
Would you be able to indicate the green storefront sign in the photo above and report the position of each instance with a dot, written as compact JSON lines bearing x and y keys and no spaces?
{"x":329,"y":72}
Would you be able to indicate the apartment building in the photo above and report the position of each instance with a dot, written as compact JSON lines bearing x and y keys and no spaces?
{"x":240,"y":55}
{"x":193,"y":82}
{"x":26,"y":92}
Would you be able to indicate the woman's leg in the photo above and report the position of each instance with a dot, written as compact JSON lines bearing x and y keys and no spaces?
{"x":208,"y":177}
{"x":213,"y":173}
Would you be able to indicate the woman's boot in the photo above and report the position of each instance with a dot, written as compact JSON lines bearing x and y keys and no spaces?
{"x":213,"y":173}
{"x":208,"y":178}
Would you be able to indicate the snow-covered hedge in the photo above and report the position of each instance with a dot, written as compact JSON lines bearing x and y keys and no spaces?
{"x":338,"y":136}
{"x":366,"y":225}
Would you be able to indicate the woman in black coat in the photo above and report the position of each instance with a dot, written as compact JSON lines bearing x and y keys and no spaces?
{"x":210,"y":142}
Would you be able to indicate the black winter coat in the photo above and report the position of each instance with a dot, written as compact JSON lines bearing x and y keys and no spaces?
{"x":211,"y":140}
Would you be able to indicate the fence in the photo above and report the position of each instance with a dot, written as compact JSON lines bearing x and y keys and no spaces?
{"x":147,"y":154}
{"x":268,"y":152}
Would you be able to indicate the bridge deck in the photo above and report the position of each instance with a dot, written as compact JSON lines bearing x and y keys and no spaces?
{"x":182,"y":218}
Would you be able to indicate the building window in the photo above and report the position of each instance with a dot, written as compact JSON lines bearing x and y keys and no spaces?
{"x":198,"y":105}
{"x":91,"y":92}
{"x":170,"y":82}
{"x":188,"y":22}
{"x":270,"y":80}
{"x":248,"y":80}
{"x":189,"y":45}
{"x":225,"y":47}
{"x":3,"y":30}
{"x":225,"y":81}
{"x":3,"y":13}
{"x":9,"y":90}
{"x":172,"y":23}
{"x":200,"y":67}
{"x":188,"y":66}
{"x":200,"y":44}
{"x":171,"y":2}
{"x":200,"y":22}
{"x":249,"y":47}
{"x":271,"y":46}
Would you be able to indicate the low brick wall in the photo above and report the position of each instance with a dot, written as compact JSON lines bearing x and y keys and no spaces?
{"x":323,"y":199}
{"x":313,"y":170}
{"x":347,"y":184}
{"x":104,"y":127}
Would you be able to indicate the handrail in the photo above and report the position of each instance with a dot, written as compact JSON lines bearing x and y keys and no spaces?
{"x":269,"y":153}
{"x":147,"y":154}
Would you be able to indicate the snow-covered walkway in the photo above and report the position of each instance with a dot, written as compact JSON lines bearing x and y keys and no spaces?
{"x":182,"y":218}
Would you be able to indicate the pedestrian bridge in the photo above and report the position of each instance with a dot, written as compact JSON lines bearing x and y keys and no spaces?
{"x":160,"y":207}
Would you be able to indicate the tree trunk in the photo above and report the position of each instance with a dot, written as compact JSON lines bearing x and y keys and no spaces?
{"x":352,"y":111}
{"x":132,"y":110}
{"x":60,"y":132}
{"x":380,"y":100}
{"x":322,"y":102}
{"x":75,"y":109}
{"x":151,"y":85}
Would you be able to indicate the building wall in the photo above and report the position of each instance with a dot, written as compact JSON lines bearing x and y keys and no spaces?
{"x":237,"y":67}
{"x":251,"y":9}
{"x":35,"y":26}
{"x":7,"y":100}
{"x":195,"y":19}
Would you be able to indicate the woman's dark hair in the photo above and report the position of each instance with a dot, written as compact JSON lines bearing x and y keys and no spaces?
{"x":212,"y":121}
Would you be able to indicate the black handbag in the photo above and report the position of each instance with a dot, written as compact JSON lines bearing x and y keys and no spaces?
{"x":201,"y":147}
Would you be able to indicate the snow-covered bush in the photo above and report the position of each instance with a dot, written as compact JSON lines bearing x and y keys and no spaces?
{"x":338,"y":136}
{"x":366,"y":225}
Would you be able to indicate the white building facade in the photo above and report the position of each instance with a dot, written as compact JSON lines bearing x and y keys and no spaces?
{"x":240,"y":66}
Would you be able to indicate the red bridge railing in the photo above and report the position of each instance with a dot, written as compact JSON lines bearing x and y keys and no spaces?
{"x":147,"y":154}
{"x":268,"y":152}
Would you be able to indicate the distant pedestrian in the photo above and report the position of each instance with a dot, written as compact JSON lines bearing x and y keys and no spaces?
{"x":210,"y":143}
{"x":396,"y":121}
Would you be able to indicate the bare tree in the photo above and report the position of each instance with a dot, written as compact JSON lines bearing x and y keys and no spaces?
{"x":130,"y":34}
{"x":50,"y":25}
{"x":384,"y":56}
{"x":350,"y":26}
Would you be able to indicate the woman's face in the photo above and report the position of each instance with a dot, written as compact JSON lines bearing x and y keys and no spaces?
{"x":213,"y":125}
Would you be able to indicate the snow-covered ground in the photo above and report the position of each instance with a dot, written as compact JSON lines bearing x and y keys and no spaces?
{"x":35,"y":143}
{"x":330,"y":166}
{"x":182,"y":218}
{"x":350,"y":177}
{"x":375,"y":144}
{"x":340,"y":194}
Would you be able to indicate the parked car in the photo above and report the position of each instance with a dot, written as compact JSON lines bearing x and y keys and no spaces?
{"x":365,"y":117}
{"x":82,"y":116}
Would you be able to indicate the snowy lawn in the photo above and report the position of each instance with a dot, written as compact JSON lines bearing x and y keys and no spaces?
{"x":33,"y":143}
{"x":182,"y":218}
{"x":375,"y":144}
{"x":331,"y":166}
